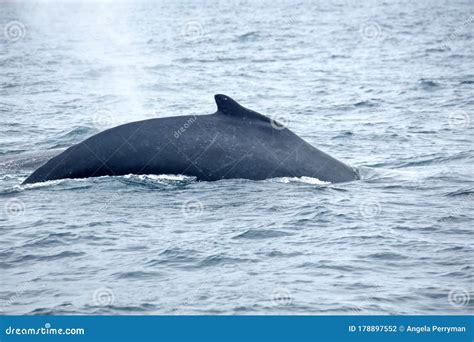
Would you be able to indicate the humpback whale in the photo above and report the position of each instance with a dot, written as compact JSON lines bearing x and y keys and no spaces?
{"x":234,"y":142}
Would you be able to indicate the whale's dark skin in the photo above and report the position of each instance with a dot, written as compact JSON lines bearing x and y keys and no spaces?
{"x":234,"y":142}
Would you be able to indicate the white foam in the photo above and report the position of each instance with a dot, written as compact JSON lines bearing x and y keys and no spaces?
{"x":40,"y":184}
{"x":165,"y":177}
{"x":304,"y":179}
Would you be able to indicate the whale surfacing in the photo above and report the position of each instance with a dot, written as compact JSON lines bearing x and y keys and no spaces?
{"x":234,"y":142}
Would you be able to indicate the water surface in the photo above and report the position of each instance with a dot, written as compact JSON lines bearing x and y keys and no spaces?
{"x":387,"y":87}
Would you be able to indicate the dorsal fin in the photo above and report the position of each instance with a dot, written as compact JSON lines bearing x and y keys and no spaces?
{"x":228,"y":106}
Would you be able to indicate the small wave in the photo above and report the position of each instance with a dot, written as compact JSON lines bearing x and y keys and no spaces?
{"x":426,"y":160}
{"x":53,"y":239}
{"x":278,"y":254}
{"x":188,"y":260}
{"x":117,"y":309}
{"x":261,"y":234}
{"x":49,"y":311}
{"x":343,"y":135}
{"x":339,"y":56}
{"x":136,"y":275}
{"x":216,"y":260}
{"x":304,"y":179}
{"x":10,"y":85}
{"x":174,"y":257}
{"x":126,"y":308}
{"x":329,"y":265}
{"x":454,"y":218}
{"x":209,"y":60}
{"x":386,"y":256}
{"x":157,"y":66}
{"x":68,"y":309}
{"x":249,"y":36}
{"x":177,"y":252}
{"x":428,"y":84}
{"x":61,"y":255}
{"x":74,"y":136}
{"x":342,"y":268}
{"x":79,"y":131}
{"x":431,"y":50}
{"x":460,"y":192}
{"x":367,"y":104}
{"x":350,"y":309}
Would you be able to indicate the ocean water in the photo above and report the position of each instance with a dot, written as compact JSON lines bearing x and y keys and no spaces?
{"x":385,"y":86}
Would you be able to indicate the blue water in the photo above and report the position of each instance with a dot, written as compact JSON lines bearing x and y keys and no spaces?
{"x":386,"y":87}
